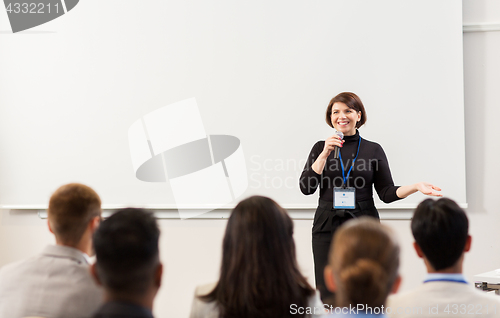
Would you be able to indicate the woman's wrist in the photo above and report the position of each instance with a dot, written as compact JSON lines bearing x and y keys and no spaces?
{"x":324,"y":155}
{"x":404,"y":191}
{"x":319,"y":164}
{"x":414,"y":188}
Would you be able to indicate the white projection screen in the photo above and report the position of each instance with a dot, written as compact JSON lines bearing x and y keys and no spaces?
{"x":260,"y":71}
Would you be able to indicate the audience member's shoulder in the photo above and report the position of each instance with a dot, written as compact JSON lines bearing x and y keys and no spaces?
{"x":487,"y":297}
{"x":8,"y":270}
{"x":200,"y":308}
{"x":403,"y":299}
{"x":316,"y":305}
{"x":443,"y":299}
{"x":202,"y":290}
{"x":398,"y":298}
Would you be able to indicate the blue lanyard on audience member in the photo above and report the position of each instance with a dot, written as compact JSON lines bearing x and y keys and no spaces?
{"x":458,"y":280}
{"x":352,"y":166}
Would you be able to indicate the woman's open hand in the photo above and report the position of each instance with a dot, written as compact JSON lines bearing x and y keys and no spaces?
{"x":424,"y":187}
{"x":428,"y":189}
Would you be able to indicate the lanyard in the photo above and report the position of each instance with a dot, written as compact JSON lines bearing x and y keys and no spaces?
{"x":446,"y":280}
{"x":352,"y":166}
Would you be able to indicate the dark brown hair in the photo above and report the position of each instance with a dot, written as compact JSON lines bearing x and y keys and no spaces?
{"x":259,"y":275}
{"x":71,"y":208}
{"x":352,"y":101}
{"x":364,"y":258}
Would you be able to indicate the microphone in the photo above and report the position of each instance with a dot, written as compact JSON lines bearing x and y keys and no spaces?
{"x":337,"y":149}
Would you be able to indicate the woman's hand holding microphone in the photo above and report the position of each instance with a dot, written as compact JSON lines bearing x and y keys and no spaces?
{"x":330,"y":144}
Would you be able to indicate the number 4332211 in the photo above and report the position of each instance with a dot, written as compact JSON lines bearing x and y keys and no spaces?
{"x":32,"y":8}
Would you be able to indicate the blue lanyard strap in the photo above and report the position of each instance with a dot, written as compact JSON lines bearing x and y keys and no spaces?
{"x":352,"y":166}
{"x":445,"y":280}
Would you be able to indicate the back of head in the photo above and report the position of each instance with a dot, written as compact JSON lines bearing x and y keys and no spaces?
{"x":71,"y":207}
{"x":259,"y":273}
{"x":258,"y":226}
{"x":126,"y":247}
{"x":364,"y":258}
{"x":440,"y":228}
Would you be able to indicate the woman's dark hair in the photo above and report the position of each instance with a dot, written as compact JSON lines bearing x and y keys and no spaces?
{"x":364,"y":258}
{"x":259,"y":275}
{"x":352,"y":101}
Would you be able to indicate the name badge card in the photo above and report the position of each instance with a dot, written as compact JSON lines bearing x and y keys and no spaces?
{"x":344,"y":198}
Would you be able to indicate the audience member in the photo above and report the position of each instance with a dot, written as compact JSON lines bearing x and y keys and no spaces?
{"x":57,"y":283}
{"x":363,"y":268}
{"x":259,"y":275}
{"x":440,"y":229}
{"x":128,"y":264}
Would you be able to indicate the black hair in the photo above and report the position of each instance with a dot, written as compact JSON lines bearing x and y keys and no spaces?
{"x":440,"y":228}
{"x":126,"y":247}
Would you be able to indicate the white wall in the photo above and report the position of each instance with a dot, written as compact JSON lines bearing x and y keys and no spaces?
{"x":482,"y":96}
{"x":191,"y":249}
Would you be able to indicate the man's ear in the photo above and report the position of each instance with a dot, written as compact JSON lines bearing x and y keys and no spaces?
{"x":94,"y":223}
{"x":329,"y":279}
{"x":418,"y":250}
{"x":158,"y":275}
{"x":396,"y":285}
{"x":95,"y":276}
{"x":468,"y":243}
{"x":50,"y":227}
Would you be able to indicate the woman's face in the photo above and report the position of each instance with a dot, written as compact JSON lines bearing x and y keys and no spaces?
{"x":344,"y":119}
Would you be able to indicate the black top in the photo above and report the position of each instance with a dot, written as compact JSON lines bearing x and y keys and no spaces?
{"x":371,"y":167}
{"x":117,"y":309}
